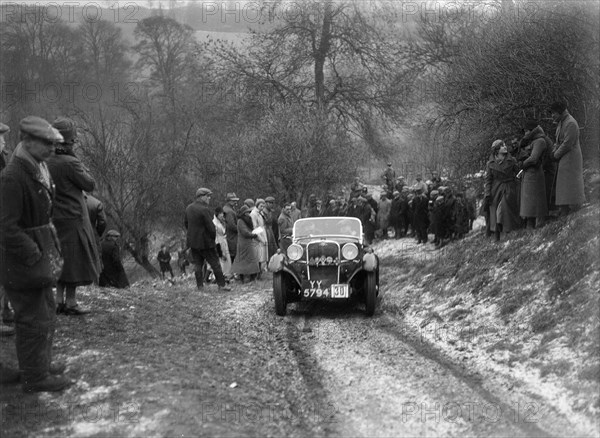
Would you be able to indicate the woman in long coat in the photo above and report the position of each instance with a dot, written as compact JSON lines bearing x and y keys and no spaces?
{"x":569,"y":178}
{"x":270,"y":220}
{"x":70,"y":216}
{"x":533,"y":186}
{"x":501,"y":190}
{"x":246,"y":263}
{"x":258,"y":224}
{"x":221,"y":240}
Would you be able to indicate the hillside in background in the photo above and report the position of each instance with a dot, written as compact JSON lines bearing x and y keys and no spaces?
{"x":213,"y":18}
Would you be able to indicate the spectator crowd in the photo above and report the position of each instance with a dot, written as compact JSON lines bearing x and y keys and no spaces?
{"x":53,"y":236}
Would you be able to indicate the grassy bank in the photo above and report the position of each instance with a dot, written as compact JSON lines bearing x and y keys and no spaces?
{"x":526,"y":307}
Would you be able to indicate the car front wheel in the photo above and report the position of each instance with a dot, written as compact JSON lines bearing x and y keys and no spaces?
{"x":370,"y":293}
{"x":279,"y":293}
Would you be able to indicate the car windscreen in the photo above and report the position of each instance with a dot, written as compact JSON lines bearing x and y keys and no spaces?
{"x":328,"y":226}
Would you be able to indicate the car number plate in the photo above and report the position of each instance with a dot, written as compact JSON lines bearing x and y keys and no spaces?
{"x":339,"y":291}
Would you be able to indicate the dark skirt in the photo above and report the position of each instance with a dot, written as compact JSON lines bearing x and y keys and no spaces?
{"x":78,"y":247}
{"x":246,"y":261}
{"x":505,"y":208}
{"x":533,"y":194}
{"x":271,"y":242}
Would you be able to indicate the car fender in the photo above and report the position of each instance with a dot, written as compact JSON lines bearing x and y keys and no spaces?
{"x":370,"y":262}
{"x":292,"y":274}
{"x":276,"y":262}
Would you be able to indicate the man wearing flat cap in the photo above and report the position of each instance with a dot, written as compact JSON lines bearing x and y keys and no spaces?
{"x":30,"y":253}
{"x":201,"y":234}
{"x":231,"y":231}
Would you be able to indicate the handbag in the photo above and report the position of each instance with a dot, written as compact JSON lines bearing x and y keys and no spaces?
{"x":46,"y":271}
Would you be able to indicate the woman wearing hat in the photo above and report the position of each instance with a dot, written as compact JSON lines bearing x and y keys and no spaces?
{"x":221,"y":240}
{"x":246,"y":263}
{"x":70,"y":215}
{"x":533,"y":205}
{"x":501,"y":191}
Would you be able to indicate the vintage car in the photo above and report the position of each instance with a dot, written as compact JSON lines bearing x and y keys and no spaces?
{"x":327,"y":260}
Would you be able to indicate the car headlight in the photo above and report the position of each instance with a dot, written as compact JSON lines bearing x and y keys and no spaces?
{"x":294,"y":252}
{"x":349,"y":251}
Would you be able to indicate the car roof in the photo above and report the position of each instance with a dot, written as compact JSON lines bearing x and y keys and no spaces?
{"x":331,"y":226}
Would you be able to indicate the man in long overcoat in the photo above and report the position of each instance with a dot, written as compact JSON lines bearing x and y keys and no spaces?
{"x":26,"y":197}
{"x":569,"y":178}
{"x":230,"y":212}
{"x":201,"y":236}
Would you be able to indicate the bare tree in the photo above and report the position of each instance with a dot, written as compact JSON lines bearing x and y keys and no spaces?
{"x":104,"y":50}
{"x":136,"y":173}
{"x":342,"y":59}
{"x":495,"y":72}
{"x":165,"y":48}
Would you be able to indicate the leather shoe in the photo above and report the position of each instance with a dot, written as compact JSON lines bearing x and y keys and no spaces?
{"x":49,"y":384}
{"x":225,"y":288}
{"x":57,"y":368}
{"x":76,"y":310}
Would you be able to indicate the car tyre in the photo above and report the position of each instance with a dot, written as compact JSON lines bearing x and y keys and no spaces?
{"x":279,"y":293}
{"x":370,"y":293}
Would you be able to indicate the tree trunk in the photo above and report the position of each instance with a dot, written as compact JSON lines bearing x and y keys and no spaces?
{"x":140,"y":255}
{"x":320,"y":55}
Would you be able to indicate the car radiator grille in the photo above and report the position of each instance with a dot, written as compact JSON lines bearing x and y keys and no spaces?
{"x":323,"y":253}
{"x":323,"y":259}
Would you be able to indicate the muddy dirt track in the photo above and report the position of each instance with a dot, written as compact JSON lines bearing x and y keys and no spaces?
{"x":163,"y":360}
{"x":373,"y":377}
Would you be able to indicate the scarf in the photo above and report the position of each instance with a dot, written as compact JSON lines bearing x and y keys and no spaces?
{"x":42,"y":174}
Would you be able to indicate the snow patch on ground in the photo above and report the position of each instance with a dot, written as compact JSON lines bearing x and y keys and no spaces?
{"x":470,"y":330}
